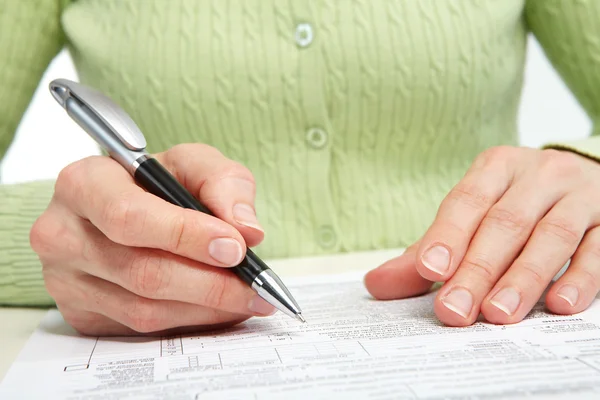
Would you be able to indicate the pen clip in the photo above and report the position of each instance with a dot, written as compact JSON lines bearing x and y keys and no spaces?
{"x":113,"y":116}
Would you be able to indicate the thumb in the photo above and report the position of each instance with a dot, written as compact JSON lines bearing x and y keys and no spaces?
{"x":397,"y":278}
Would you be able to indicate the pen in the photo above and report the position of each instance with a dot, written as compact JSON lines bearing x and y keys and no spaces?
{"x":111,"y":127}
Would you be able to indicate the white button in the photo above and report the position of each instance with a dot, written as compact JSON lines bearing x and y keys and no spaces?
{"x":326,"y":236}
{"x":304,"y":35}
{"x":316,"y":138}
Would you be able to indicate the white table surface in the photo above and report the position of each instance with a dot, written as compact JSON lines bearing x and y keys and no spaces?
{"x":17,"y":324}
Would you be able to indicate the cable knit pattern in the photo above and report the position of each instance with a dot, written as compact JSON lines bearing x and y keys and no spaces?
{"x":30,"y":37}
{"x":291,"y":135}
{"x":570,"y":34}
{"x":354,"y":134}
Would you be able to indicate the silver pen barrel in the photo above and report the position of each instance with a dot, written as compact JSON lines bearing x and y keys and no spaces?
{"x":269,"y":287}
{"x":97,"y":130}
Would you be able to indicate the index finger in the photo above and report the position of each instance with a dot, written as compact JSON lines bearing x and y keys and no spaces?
{"x":108,"y":197}
{"x":447,"y":239}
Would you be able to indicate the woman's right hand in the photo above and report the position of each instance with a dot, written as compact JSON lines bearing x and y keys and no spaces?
{"x":118,"y":260}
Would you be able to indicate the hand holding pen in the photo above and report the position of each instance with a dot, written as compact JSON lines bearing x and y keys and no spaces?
{"x":120,"y":260}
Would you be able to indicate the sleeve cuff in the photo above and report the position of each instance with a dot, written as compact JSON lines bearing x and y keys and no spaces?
{"x":21,"y":280}
{"x":589,"y":147}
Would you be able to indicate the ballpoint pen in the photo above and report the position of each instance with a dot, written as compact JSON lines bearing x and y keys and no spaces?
{"x":111,"y":127}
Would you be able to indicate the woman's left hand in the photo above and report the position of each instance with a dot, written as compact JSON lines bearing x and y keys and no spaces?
{"x":501,"y":236}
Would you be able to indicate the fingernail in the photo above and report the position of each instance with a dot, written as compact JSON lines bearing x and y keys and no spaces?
{"x":245,"y":215}
{"x":226,"y":251}
{"x":569,"y":293}
{"x":460,"y":301}
{"x":437,"y":259}
{"x":259,"y":306}
{"x":507,"y":300}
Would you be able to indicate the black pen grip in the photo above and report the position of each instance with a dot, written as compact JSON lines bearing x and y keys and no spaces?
{"x":153,"y":177}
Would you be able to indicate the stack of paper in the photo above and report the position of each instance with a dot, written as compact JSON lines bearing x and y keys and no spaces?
{"x":350,"y":347}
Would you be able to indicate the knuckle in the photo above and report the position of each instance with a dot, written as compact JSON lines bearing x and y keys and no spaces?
{"x":214,"y":296}
{"x":479,"y":266}
{"x":70,"y":177}
{"x":150,"y":275}
{"x":50,"y":235}
{"x":563,"y":229}
{"x":42,"y":233}
{"x":560,"y":164}
{"x":494,"y":155}
{"x":511,"y":220}
{"x":471,"y":194}
{"x":141,"y":316}
{"x":535,"y":272}
{"x":123,"y":219}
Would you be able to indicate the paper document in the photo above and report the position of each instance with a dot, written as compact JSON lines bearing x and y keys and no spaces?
{"x":352,"y":347}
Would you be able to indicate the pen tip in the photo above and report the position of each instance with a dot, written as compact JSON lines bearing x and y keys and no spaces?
{"x":300,"y":318}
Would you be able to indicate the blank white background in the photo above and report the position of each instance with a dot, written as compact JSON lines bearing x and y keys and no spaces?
{"x":47,"y":135}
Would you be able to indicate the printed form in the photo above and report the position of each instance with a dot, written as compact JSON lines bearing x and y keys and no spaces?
{"x":351,"y":347}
